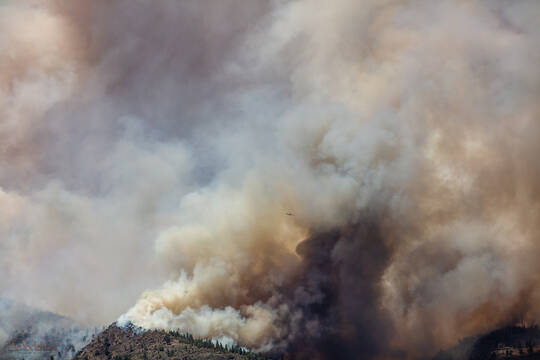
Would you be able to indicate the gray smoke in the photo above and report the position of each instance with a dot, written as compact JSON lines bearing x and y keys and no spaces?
{"x":160,"y":146}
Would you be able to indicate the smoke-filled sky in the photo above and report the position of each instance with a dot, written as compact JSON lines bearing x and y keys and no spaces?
{"x":150,"y":153}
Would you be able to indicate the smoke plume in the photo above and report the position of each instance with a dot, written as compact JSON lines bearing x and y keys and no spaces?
{"x":323,"y":179}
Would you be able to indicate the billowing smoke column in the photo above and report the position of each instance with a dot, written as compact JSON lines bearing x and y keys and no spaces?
{"x":336,"y":179}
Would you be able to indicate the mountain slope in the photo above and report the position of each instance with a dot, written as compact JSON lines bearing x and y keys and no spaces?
{"x":130,"y":343}
{"x":511,"y":342}
{"x":29,"y":333}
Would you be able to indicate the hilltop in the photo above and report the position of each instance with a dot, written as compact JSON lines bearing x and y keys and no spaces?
{"x":122,"y":343}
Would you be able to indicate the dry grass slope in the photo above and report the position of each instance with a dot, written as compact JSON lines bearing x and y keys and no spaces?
{"x":127,"y":343}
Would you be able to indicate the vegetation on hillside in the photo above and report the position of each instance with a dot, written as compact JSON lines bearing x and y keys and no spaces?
{"x":125,"y":343}
{"x":511,"y":342}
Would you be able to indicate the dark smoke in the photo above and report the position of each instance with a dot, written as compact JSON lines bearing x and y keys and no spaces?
{"x":346,"y":266}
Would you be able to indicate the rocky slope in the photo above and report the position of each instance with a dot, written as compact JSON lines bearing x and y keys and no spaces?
{"x":130,"y":343}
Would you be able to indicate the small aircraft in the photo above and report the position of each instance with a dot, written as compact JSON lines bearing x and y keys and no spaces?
{"x":290,"y":214}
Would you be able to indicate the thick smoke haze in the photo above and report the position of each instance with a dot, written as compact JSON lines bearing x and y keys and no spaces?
{"x":150,"y":153}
